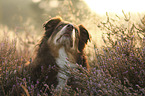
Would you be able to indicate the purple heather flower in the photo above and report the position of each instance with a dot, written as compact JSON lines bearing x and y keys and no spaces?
{"x":123,"y":55}
{"x":29,"y":87}
{"x":13,"y":87}
{"x":32,"y":86}
{"x":125,"y":72}
{"x":132,"y":54}
{"x":46,"y":77}
{"x":117,"y":48}
{"x":37,"y":82}
{"x":109,"y":59}
{"x":46,"y":85}
{"x":118,"y":58}
{"x":41,"y":67}
{"x":41,"y":91}
{"x":24,"y":79}
{"x":136,"y":72}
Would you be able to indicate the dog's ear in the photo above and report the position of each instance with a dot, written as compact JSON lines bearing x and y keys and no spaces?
{"x":50,"y":25}
{"x":84,"y":37}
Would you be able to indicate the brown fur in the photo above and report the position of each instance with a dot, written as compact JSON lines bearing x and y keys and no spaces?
{"x":44,"y":63}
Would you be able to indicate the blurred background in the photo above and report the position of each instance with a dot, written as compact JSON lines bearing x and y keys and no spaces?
{"x":27,"y":16}
{"x":20,"y":13}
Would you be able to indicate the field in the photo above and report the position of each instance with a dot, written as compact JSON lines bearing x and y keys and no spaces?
{"x":117,"y":67}
{"x":116,"y":56}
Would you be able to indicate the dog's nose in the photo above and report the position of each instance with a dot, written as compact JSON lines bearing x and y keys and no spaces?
{"x":70,"y":26}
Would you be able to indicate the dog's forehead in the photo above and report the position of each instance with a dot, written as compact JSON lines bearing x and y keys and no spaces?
{"x":62,"y":23}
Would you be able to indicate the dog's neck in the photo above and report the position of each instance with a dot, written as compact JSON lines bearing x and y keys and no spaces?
{"x":64,"y":64}
{"x":65,"y":58}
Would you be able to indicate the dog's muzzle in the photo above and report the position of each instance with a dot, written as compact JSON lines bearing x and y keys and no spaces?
{"x":66,"y":35}
{"x":68,"y":30}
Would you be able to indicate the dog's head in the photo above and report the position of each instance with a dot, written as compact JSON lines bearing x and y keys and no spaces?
{"x":61,"y":33}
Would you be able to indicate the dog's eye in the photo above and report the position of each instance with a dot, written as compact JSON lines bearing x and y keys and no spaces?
{"x":60,"y":26}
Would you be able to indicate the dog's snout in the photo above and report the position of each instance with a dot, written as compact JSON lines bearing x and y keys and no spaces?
{"x":69,"y":28}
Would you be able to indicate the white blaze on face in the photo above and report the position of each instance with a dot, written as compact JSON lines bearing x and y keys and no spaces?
{"x":59,"y":34}
{"x":73,"y":37}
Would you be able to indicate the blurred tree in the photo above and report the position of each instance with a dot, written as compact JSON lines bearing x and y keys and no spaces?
{"x":15,"y":13}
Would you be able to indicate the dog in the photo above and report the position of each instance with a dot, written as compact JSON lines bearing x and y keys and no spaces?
{"x":61,"y":47}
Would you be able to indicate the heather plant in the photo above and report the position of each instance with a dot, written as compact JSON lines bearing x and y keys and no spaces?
{"x":11,"y":59}
{"x":121,"y":70}
{"x":117,"y":70}
{"x":95,"y":82}
{"x":123,"y":55}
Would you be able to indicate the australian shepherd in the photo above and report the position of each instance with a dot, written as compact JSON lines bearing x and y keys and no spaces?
{"x":61,"y":47}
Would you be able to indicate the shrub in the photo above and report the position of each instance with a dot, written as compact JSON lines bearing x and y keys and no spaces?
{"x":124,"y":53}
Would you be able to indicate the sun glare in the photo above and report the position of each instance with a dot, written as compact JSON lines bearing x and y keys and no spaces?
{"x":116,"y":6}
{"x":35,"y":1}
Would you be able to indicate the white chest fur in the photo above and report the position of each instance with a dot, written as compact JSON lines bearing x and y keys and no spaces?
{"x":64,"y":64}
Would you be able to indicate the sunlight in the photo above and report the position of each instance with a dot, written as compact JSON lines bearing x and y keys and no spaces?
{"x":116,"y":6}
{"x":36,"y":1}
